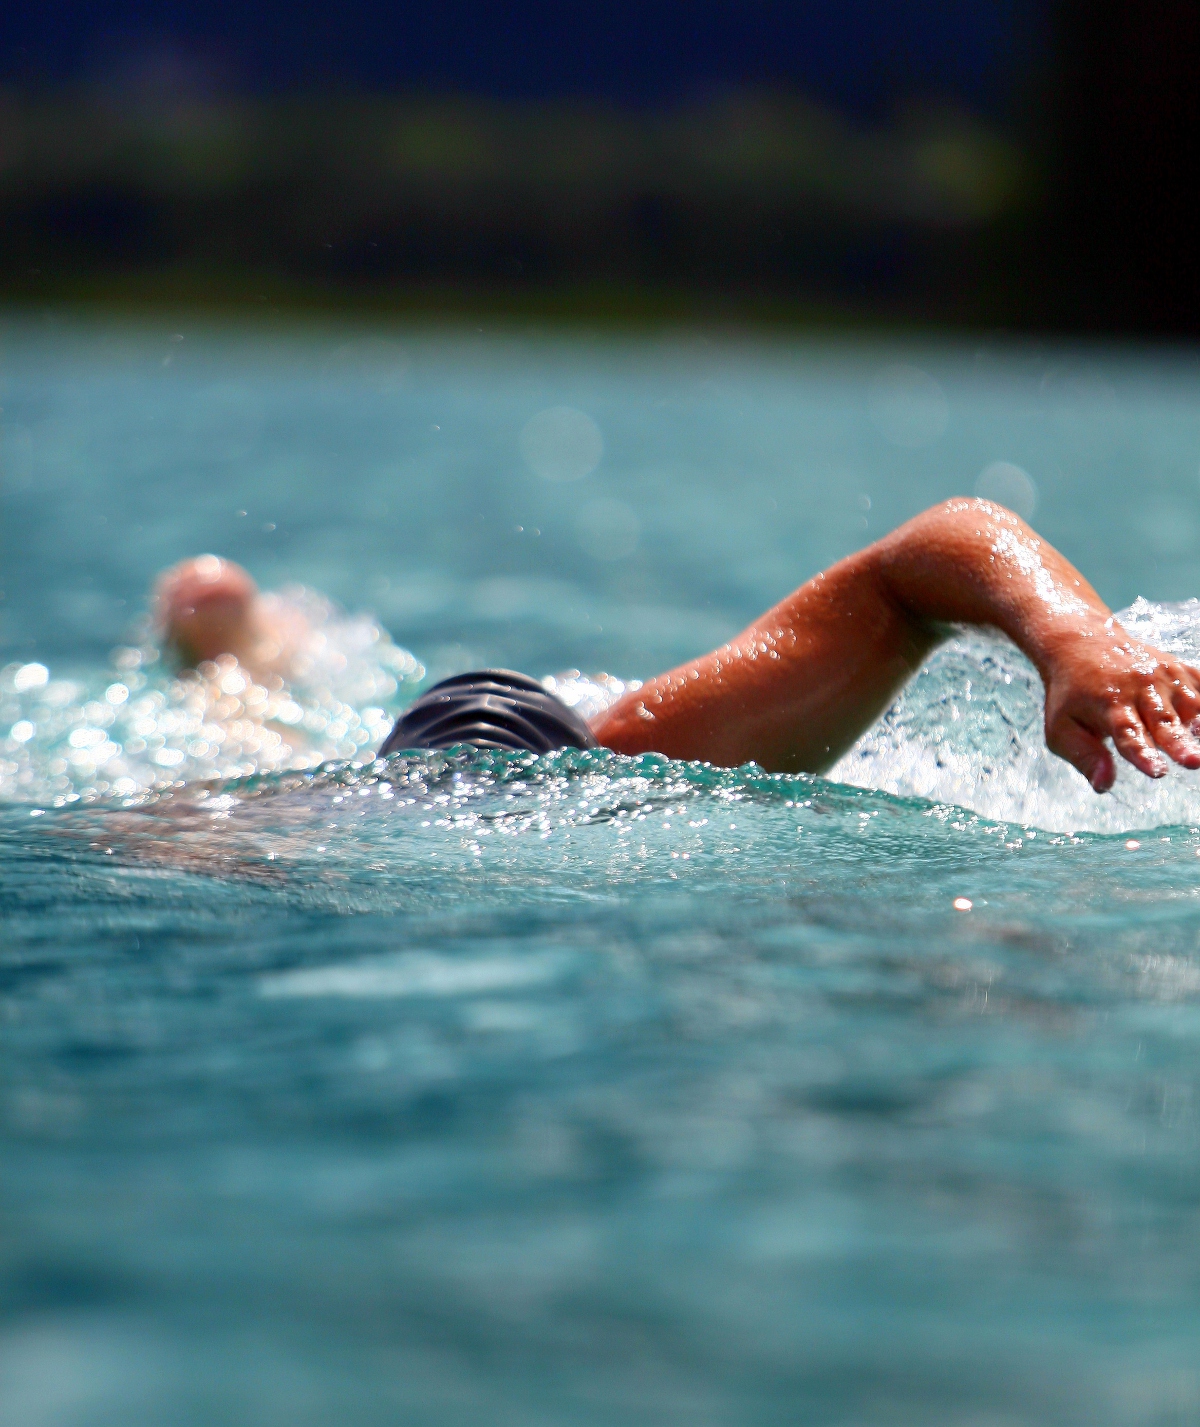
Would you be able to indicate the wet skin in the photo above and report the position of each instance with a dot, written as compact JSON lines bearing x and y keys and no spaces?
{"x":796,"y":688}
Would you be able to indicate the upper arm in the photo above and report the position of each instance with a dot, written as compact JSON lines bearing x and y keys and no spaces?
{"x":794,"y":690}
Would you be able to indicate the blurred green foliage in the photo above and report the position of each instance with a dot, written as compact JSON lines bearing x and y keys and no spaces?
{"x":765,"y":201}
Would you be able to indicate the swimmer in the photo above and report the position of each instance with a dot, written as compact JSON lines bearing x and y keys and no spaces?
{"x":798,"y":686}
{"x":205,"y":607}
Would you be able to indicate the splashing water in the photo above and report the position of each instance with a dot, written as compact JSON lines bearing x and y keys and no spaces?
{"x":141,"y":725}
{"x":966,"y":731}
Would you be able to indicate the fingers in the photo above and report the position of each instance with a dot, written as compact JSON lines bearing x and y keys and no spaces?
{"x":1132,"y":742}
{"x":1086,"y":751}
{"x":1150,"y":709}
{"x":1185,"y":697}
{"x":1141,"y":736}
{"x":1164,"y":721}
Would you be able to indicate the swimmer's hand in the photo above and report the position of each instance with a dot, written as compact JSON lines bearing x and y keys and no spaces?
{"x":1100,"y":685}
{"x":795,"y":689}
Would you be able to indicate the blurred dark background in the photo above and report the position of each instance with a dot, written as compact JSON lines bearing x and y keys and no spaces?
{"x":1008,"y":163}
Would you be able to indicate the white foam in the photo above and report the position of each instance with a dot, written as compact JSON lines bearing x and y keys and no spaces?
{"x":968,"y":730}
{"x":65,"y":741}
{"x":412,"y":974}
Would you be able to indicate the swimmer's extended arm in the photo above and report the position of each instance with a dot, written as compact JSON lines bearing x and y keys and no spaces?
{"x":794,"y":690}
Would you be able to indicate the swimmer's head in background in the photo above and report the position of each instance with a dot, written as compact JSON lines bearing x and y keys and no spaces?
{"x":203,"y":608}
{"x":491,"y":708}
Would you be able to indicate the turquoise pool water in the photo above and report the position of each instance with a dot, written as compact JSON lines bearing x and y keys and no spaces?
{"x":588,"y":1090}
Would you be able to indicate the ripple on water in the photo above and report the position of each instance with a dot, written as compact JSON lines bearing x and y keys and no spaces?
{"x":436,"y":829}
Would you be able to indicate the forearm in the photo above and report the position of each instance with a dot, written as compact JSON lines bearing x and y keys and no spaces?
{"x":972,"y":562}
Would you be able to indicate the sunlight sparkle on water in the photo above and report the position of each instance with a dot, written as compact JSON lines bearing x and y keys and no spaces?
{"x":155,"y":725}
{"x":30,"y":676}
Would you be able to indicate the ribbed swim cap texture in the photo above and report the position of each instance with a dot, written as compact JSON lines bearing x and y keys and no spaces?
{"x":490,"y":708}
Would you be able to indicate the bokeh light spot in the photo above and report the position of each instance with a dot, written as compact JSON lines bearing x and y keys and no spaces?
{"x":30,"y":676}
{"x":561,"y":444}
{"x":1008,"y":485}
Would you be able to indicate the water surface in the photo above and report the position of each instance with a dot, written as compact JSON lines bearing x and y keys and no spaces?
{"x":582,"y":1089}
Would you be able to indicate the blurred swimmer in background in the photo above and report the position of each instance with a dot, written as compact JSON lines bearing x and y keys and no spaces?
{"x":205,"y":607}
{"x":799,"y":685}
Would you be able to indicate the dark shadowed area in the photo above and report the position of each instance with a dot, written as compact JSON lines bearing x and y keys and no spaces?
{"x":1010,"y":164}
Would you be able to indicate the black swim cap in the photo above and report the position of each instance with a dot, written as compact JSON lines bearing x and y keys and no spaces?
{"x":491,"y":708}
